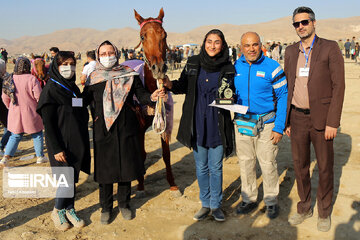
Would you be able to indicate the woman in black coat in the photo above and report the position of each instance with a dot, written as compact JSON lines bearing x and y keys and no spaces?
{"x":3,"y":110}
{"x":109,"y":90}
{"x":208,"y":130}
{"x":66,"y":130}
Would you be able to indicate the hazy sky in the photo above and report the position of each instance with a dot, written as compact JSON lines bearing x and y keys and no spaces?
{"x":37,"y":17}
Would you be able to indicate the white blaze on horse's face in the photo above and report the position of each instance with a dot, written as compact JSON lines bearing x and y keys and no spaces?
{"x":153,"y":39}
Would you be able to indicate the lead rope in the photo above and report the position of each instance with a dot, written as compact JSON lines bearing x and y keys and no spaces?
{"x":159,"y":121}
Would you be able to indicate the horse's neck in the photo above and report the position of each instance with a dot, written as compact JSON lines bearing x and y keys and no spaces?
{"x":150,"y":81}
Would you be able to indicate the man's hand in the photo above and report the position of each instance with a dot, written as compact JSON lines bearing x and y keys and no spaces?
{"x":60,"y":157}
{"x":288,"y":131}
{"x":330,"y":133}
{"x":275,"y":137}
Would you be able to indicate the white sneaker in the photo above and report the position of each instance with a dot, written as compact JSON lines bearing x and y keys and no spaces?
{"x":42,"y":160}
{"x":3,"y":161}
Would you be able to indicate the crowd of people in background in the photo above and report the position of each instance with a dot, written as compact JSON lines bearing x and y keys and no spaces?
{"x":351,"y":49}
{"x":175,"y":56}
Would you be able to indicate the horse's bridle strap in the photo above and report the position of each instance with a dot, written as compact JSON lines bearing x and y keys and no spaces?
{"x":151,"y":20}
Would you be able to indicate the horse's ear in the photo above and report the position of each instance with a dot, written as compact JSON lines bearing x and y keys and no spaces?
{"x":161,"y":14}
{"x":43,"y":55}
{"x":32,"y":56}
{"x":138,"y":17}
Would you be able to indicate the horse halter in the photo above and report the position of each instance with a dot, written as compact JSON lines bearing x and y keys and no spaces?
{"x":150,"y":20}
{"x":141,"y":39}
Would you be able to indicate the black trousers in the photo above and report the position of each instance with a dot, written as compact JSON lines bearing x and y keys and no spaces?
{"x":106,"y":195}
{"x":65,"y":203}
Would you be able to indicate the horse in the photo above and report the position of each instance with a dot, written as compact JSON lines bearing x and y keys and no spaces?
{"x":39,"y":69}
{"x":153,"y":40}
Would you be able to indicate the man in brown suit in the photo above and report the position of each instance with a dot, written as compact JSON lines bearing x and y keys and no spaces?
{"x":314,"y":68}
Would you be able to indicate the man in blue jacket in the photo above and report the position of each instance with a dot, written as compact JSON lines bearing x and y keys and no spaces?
{"x":261,"y":85}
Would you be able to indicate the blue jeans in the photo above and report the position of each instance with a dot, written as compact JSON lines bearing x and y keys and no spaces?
{"x":5,"y":138}
{"x":208,"y":162}
{"x":14,"y":140}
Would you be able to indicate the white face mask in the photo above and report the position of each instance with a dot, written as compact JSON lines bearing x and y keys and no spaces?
{"x":108,"y":62}
{"x":67,"y":71}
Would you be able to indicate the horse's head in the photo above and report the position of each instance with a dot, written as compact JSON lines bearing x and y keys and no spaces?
{"x":153,"y":39}
{"x":39,"y":67}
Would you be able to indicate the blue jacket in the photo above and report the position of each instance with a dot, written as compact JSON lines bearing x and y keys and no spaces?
{"x":262,"y":87}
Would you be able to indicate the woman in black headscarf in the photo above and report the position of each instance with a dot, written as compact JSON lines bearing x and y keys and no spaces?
{"x":66,"y":130}
{"x":208,"y":130}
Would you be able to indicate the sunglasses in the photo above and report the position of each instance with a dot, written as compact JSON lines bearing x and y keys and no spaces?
{"x":303,"y":22}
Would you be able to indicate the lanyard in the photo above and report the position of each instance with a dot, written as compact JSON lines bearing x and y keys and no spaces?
{"x":307,"y":56}
{"x":63,"y":86}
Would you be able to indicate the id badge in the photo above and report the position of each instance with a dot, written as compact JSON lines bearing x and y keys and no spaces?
{"x":77,"y":102}
{"x":304,"y":72}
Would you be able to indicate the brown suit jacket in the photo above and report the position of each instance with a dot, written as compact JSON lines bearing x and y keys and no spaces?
{"x":326,"y":85}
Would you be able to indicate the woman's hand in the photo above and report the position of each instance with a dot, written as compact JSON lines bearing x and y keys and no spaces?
{"x":60,"y":157}
{"x":158,"y":93}
{"x":166,"y":82}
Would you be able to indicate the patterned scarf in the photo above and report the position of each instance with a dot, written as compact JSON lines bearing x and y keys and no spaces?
{"x":8,"y":86}
{"x":119,"y":80}
{"x":22,"y":66}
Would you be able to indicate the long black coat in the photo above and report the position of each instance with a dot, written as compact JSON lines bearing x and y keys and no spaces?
{"x":66,"y":129}
{"x":3,"y":110}
{"x":117,"y":152}
{"x":187,"y":84}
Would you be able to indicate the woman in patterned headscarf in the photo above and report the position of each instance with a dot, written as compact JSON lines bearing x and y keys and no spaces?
{"x":117,"y":154}
{"x":20,"y":95}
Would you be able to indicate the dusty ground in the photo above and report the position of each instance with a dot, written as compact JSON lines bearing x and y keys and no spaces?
{"x":161,"y":216}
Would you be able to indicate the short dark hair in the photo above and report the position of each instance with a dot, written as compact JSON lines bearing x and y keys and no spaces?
{"x":62,"y":56}
{"x":304,"y":10}
{"x":54,"y":49}
{"x":91,"y":54}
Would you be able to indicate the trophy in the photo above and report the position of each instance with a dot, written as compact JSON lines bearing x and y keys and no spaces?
{"x":226,"y":94}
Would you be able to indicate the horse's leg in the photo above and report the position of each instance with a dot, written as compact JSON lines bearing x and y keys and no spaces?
{"x":169,"y":176}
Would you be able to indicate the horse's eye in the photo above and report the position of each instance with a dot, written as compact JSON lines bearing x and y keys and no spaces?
{"x":142,"y":38}
{"x":165,"y":34}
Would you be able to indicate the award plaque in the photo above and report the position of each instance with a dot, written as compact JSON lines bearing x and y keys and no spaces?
{"x":226,"y":94}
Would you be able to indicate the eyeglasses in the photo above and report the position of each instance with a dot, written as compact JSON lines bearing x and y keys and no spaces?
{"x":303,"y":22}
{"x":107,"y":54}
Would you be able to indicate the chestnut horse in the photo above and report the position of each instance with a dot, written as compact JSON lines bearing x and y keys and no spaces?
{"x":153,"y":41}
{"x":39,"y":69}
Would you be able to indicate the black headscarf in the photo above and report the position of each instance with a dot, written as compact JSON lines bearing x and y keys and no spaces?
{"x":53,"y":93}
{"x":214,"y":64}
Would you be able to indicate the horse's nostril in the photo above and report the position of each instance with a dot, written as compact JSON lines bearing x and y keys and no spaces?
{"x":153,"y":67}
{"x":164,"y":68}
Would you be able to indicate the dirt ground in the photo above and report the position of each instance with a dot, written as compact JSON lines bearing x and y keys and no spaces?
{"x":160,"y":215}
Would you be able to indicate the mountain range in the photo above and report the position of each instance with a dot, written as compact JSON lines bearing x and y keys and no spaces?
{"x":83,"y":39}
